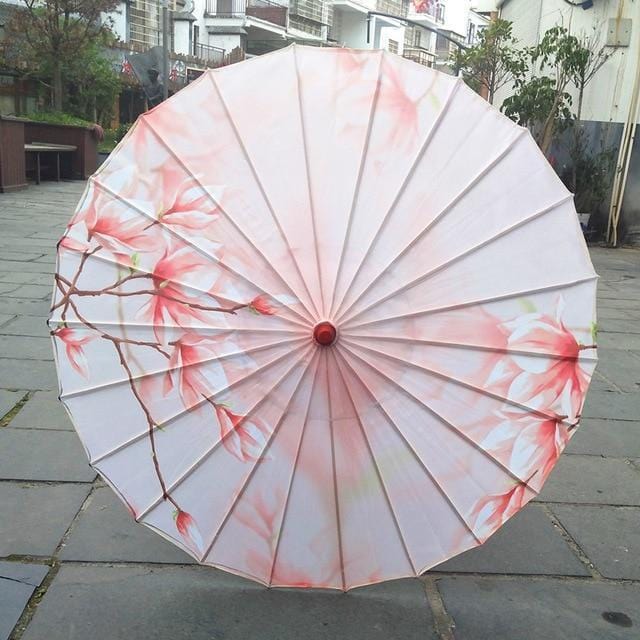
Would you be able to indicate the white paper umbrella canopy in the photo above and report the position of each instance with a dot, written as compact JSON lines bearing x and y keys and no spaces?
{"x":324,"y":318}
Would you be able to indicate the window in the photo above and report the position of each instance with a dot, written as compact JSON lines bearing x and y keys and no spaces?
{"x":471,"y":33}
{"x":392,"y":46}
{"x":196,"y":38}
{"x":417,"y":38}
{"x":440,"y":13}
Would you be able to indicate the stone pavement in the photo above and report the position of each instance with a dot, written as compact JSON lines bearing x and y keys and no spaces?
{"x":73,"y":565}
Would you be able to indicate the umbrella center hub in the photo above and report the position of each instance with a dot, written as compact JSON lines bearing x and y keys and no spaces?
{"x":324,"y":333}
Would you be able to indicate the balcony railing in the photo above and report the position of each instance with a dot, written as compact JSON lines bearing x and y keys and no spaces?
{"x":269,"y":11}
{"x":398,"y":8}
{"x":419,"y":55}
{"x":226,"y":8}
{"x":210,"y":55}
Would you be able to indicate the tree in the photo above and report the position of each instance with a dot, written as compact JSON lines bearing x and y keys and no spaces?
{"x":494,"y":61}
{"x":51,"y":35}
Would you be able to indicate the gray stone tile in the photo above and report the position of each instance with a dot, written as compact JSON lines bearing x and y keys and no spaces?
{"x":27,"y":454}
{"x":106,"y":532}
{"x":528,"y":544}
{"x":35,"y":516}
{"x":26,"y":326}
{"x":614,"y":438}
{"x":5,"y":318}
{"x":16,"y":347}
{"x":610,"y":536}
{"x":27,"y":374}
{"x":16,"y":306}
{"x":30,"y":291}
{"x":17,"y":582}
{"x":521,"y":609}
{"x":619,"y":326}
{"x":612,"y":406}
{"x":8,"y":400}
{"x":592,"y":479}
{"x":203,"y":604}
{"x":43,"y":411}
{"x":620,"y":367}
{"x":618,"y":340}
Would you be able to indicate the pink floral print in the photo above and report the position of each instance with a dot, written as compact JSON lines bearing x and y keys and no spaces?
{"x":73,"y":341}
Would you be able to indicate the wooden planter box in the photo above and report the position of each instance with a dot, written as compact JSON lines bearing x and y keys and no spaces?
{"x":12,"y":156}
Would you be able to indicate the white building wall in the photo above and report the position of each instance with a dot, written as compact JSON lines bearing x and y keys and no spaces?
{"x":182,"y":37}
{"x":608,"y":95}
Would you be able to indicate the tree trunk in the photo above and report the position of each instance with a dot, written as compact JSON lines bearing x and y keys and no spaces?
{"x":549,"y":128}
{"x":57,"y":86}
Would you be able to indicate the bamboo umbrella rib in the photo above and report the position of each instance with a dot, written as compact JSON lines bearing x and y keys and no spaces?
{"x":262,"y":190}
{"x":410,"y":447}
{"x":344,"y":316}
{"x":474,"y":303}
{"x":245,"y":484}
{"x":292,"y":475}
{"x":312,"y":208}
{"x":209,"y":398}
{"x":481,"y":245}
{"x":164,"y":143}
{"x":376,"y":466}
{"x":356,"y":190}
{"x":150,"y":374}
{"x":435,"y":414}
{"x":403,"y":185}
{"x":470,"y":347}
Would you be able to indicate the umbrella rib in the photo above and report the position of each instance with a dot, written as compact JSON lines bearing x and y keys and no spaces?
{"x":102,"y":258}
{"x":470,"y":347}
{"x":447,"y":263}
{"x":238,"y":496}
{"x":312,"y":208}
{"x":151,"y":374}
{"x":198,"y":249}
{"x":401,"y":189}
{"x":262,"y":191}
{"x":291,"y":477}
{"x":356,"y":191}
{"x":377,"y":467}
{"x":178,"y":415}
{"x":473,"y":303}
{"x":440,"y":418}
{"x":191,"y":327}
{"x":144,"y":119}
{"x":214,"y":447}
{"x":470,"y":185}
{"x":335,"y":476}
{"x":410,"y":447}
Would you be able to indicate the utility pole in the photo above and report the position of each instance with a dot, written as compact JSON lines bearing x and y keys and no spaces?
{"x":165,"y":49}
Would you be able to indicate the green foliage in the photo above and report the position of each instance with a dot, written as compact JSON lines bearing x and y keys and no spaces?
{"x":113,"y":136}
{"x":59,"y":117}
{"x":494,"y":61}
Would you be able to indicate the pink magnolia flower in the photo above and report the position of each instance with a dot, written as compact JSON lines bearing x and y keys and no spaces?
{"x":557,"y":384}
{"x":491,"y":512}
{"x":170,"y":299}
{"x":74,"y":340}
{"x":244,"y":438}
{"x":188,"y":529}
{"x":190,"y":350}
{"x":190,"y":207}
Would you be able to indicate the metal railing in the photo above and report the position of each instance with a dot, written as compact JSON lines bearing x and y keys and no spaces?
{"x":398,"y":8}
{"x":420,"y":55}
{"x":209,"y":54}
{"x":226,"y":8}
{"x":267,"y":10}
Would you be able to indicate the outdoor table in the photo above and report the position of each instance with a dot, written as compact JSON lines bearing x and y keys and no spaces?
{"x":42,"y":147}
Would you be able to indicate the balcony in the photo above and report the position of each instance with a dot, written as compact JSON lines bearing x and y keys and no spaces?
{"x":211,"y":56}
{"x":420,"y":55}
{"x":225,"y":8}
{"x":398,"y":8}
{"x":268,"y":11}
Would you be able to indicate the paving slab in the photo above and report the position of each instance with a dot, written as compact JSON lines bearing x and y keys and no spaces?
{"x":618,"y":366}
{"x":528,"y":544}
{"x":106,"y":532}
{"x":27,"y":374}
{"x":610,"y":536}
{"x":619,"y":326}
{"x":9,"y":399}
{"x":27,"y":454}
{"x":16,"y":306}
{"x":198,"y":603}
{"x":523,"y":609}
{"x":17,"y":582}
{"x":43,"y":411}
{"x":25,"y":326}
{"x":618,"y":340}
{"x":614,"y":438}
{"x":30,"y":291}
{"x":18,"y":348}
{"x":36,"y":516}
{"x":592,"y":479}
{"x":612,"y":406}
